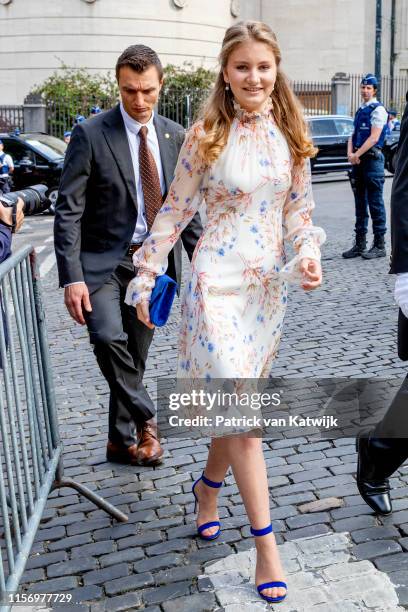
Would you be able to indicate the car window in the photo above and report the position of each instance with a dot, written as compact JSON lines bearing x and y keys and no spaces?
{"x":18,"y":151}
{"x":323,"y":127}
{"x":41,"y":161}
{"x":48,"y":145}
{"x":344,"y":127}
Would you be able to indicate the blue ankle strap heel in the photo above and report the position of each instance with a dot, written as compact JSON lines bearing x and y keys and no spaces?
{"x":275,"y":583}
{"x":201,"y":528}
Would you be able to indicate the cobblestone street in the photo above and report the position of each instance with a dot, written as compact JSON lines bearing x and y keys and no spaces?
{"x":338,"y":555}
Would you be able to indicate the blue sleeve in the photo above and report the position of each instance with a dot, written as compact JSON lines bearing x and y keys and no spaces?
{"x":5,"y":242}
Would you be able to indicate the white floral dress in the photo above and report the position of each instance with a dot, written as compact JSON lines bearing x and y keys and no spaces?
{"x":234,"y":303}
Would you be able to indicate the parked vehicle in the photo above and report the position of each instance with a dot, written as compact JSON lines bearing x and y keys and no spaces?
{"x":390,"y":149}
{"x":38,"y":158}
{"x":330,"y":134}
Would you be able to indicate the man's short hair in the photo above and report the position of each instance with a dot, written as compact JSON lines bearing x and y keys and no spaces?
{"x":139,"y":58}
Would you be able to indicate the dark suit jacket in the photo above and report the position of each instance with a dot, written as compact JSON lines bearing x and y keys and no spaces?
{"x":96,"y":210}
{"x":399,"y":226}
{"x":399,"y":204}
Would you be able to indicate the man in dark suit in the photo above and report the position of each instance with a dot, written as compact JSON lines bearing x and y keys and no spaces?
{"x":384,"y":449}
{"x":118,"y":168}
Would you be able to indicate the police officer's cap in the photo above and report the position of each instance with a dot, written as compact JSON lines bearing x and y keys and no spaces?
{"x":95,"y":110}
{"x":66,"y":134}
{"x":369,"y":79}
{"x":392,"y":111}
{"x":79,"y":119}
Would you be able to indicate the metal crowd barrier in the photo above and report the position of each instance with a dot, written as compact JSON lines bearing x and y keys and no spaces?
{"x":31,"y":463}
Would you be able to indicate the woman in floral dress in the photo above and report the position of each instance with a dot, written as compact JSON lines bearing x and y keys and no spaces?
{"x":248,"y":158}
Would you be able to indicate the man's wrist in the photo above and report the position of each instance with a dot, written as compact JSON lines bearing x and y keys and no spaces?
{"x":74,"y":283}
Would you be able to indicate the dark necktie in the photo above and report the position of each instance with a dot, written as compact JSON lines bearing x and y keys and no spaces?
{"x":150,"y":179}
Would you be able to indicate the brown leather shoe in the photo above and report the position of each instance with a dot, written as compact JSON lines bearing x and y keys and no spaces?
{"x":149,"y":451}
{"x":121,"y":454}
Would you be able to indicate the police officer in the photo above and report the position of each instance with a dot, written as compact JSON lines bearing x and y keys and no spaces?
{"x":6,"y":169}
{"x":95,"y":110}
{"x":364,"y":152}
{"x":393,"y":122}
{"x":79,"y":119}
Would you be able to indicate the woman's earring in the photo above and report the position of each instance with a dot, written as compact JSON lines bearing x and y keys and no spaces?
{"x":227,"y":87}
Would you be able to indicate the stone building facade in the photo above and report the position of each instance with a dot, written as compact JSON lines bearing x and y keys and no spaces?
{"x":318,"y":38}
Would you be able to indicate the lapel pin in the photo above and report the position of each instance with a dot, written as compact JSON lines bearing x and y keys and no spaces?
{"x":167,"y":135}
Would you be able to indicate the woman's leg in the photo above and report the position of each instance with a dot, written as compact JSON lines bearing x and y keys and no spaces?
{"x":215,"y":469}
{"x":248,"y":465}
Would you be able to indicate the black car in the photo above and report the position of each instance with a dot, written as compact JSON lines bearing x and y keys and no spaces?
{"x":390,"y":149}
{"x":38,"y":158}
{"x":330,"y":134}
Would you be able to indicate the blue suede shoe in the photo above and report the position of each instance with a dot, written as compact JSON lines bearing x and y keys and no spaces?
{"x":201,"y":528}
{"x":268,"y":585}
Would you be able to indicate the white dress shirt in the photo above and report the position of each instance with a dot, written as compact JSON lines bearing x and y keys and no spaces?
{"x":132,"y":130}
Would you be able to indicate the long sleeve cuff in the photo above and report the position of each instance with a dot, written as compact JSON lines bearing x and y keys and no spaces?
{"x":307,"y":246}
{"x":140,"y":288}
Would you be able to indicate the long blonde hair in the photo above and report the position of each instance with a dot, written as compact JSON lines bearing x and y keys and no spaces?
{"x":218,"y":111}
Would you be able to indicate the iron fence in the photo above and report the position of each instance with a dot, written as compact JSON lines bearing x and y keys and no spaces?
{"x":61,"y":112}
{"x":30,"y":447}
{"x":183,"y":106}
{"x":316,"y":97}
{"x":11,"y":117}
{"x":392,"y":92}
{"x":180,"y":105}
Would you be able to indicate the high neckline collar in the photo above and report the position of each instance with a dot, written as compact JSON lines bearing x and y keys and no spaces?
{"x":245,"y":116}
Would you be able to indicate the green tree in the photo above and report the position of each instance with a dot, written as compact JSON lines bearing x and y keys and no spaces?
{"x":184,"y":91}
{"x":73,"y":91}
{"x":188,"y":77}
{"x":77,"y":82}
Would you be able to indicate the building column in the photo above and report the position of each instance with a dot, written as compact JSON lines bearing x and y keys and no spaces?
{"x":35,"y":114}
{"x":341,"y":94}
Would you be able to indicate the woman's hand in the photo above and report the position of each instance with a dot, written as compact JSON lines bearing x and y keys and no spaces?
{"x":353,"y":159}
{"x":311,"y":271}
{"x":142,"y":310}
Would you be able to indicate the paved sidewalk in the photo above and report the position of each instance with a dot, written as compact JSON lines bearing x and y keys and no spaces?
{"x":154,"y":562}
{"x":323,"y":574}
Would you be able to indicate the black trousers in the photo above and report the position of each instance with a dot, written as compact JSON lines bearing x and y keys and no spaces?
{"x":5,"y":186}
{"x":121,"y":343}
{"x":389,"y":440}
{"x":368,"y":195}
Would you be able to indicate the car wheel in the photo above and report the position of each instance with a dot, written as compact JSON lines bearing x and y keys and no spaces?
{"x":52,"y":196}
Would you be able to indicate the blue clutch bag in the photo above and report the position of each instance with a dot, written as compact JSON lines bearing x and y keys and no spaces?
{"x":161,"y":300}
